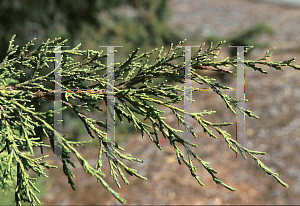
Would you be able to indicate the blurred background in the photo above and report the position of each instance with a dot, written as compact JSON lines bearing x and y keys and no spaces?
{"x":274,"y":97}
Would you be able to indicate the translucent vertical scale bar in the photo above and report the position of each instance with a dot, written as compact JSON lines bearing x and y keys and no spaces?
{"x":188,"y":90}
{"x":240,"y":93}
{"x":57,"y":105}
{"x":188,"y":86}
{"x":110,"y":101}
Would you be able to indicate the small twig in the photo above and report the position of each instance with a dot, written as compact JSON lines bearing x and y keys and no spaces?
{"x":213,"y":69}
{"x":50,"y":95}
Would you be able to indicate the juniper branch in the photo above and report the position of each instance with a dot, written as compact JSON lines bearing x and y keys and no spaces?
{"x":18,"y":120}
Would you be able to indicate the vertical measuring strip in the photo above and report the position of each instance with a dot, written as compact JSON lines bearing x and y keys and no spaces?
{"x":240,"y":94}
{"x":57,"y":103}
{"x":110,"y":101}
{"x":188,"y":89}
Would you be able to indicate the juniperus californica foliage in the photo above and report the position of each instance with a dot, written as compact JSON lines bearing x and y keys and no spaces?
{"x":19,"y":119}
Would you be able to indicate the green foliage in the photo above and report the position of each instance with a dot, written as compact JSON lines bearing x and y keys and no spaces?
{"x":7,"y":195}
{"x":19,"y":118}
{"x":7,"y":186}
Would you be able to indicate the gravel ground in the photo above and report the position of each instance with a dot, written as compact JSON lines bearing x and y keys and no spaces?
{"x":273,"y":97}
